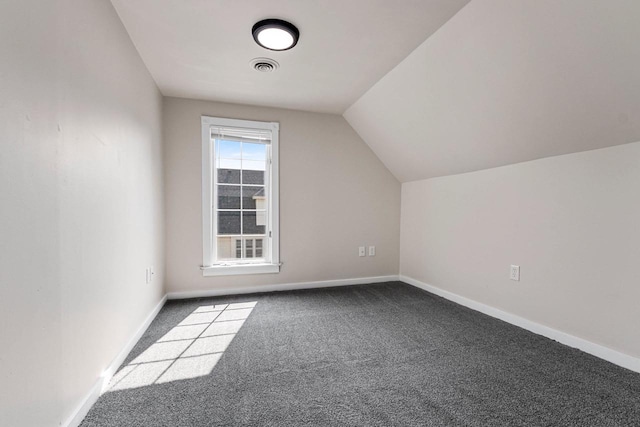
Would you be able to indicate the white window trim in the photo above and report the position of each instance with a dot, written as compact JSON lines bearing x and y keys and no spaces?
{"x":273,"y":223}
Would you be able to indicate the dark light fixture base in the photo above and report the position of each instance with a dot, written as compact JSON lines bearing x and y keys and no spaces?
{"x":278,"y":24}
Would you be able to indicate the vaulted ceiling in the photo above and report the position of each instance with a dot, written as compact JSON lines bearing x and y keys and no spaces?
{"x":508,"y":81}
{"x":434,"y":87}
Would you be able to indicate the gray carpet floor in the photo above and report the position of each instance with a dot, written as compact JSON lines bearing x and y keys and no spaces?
{"x":372,"y":355}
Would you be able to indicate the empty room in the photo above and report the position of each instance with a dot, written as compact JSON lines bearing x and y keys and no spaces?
{"x":319,"y":213}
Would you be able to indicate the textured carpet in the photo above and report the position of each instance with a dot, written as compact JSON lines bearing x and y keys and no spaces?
{"x":372,"y":355}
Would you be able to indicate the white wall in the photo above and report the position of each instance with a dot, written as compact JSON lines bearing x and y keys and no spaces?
{"x":334,"y":196}
{"x":570,"y":222}
{"x":82,"y":202}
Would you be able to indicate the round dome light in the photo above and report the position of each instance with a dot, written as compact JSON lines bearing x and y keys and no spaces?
{"x":275,"y":34}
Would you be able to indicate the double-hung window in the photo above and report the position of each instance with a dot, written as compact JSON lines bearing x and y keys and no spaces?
{"x":239,"y":196}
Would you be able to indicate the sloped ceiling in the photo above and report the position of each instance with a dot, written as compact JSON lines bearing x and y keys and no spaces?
{"x":202,"y":48}
{"x":508,"y":81}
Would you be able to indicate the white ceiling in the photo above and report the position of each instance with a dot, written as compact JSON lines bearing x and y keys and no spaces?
{"x":508,"y":81}
{"x":201,"y":48}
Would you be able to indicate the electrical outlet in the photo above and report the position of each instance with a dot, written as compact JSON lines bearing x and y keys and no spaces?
{"x":361,"y":251}
{"x":372,"y":251}
{"x":514,"y":273}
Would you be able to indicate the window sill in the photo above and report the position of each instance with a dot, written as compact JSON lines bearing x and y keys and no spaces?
{"x":230,"y":270}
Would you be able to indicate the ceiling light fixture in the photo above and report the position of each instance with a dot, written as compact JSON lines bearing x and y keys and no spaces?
{"x":275,"y":34}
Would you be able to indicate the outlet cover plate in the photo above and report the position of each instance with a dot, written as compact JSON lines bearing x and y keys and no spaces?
{"x":514,"y":273}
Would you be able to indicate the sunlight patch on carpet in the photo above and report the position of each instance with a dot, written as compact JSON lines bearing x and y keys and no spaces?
{"x":189,"y":350}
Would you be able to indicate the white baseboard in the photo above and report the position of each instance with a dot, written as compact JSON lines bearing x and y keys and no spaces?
{"x":606,"y":353}
{"x":279,"y":287}
{"x":82,"y":410}
{"x":100,"y":386}
{"x":108,"y":373}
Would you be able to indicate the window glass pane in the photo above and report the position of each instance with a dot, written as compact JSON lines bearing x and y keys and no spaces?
{"x":253,"y":171}
{"x":229,"y":222}
{"x":226,"y":249}
{"x":229,"y":165}
{"x":253,"y":177}
{"x":238,"y":248}
{"x":228,"y":197}
{"x":258,"y":248}
{"x":249,"y":248}
{"x":229,"y":149}
{"x":250,"y":225}
{"x":229,"y":176}
{"x":261,"y":217}
{"x":254,"y":151}
{"x":251,"y":196}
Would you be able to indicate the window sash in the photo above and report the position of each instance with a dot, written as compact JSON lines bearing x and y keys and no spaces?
{"x":216,"y":260}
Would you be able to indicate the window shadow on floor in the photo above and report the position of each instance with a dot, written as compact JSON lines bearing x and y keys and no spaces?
{"x":190,"y":349}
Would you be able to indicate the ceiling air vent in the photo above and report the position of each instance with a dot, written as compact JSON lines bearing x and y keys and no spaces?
{"x":264,"y":65}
